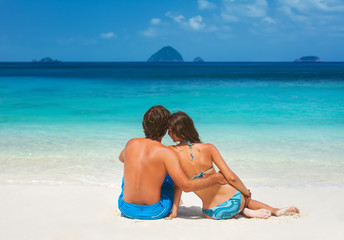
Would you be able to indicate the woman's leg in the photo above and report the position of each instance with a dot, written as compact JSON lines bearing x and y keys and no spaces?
{"x":259,"y":213}
{"x":254,"y":205}
{"x":291,"y":210}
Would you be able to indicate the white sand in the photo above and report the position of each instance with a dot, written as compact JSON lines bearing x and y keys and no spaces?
{"x":90,"y":212}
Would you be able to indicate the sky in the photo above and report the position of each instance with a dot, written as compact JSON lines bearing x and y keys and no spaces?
{"x":128,"y":30}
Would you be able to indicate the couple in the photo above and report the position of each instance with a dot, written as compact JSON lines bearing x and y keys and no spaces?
{"x":156,"y":175}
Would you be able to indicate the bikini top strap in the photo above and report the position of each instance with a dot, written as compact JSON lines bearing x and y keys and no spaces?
{"x":190,"y":146}
{"x":208,"y":170}
{"x":201,"y":174}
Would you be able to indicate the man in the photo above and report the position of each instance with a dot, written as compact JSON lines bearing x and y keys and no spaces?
{"x":147,"y":189}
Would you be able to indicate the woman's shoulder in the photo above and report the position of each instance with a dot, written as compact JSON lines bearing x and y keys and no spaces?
{"x":206,"y":146}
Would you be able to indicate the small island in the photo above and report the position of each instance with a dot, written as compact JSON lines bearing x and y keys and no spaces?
{"x":308,"y":59}
{"x":166,"y":54}
{"x":46,"y":60}
{"x":198,"y":60}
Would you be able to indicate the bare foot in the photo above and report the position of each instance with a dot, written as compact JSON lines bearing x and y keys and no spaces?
{"x":260,"y":213}
{"x":288,"y":211}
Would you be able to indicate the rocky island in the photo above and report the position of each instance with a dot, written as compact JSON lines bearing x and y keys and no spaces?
{"x":308,"y":59}
{"x":166,"y":54}
{"x":198,"y":60}
{"x":46,"y":60}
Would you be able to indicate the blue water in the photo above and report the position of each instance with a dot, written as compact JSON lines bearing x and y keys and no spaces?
{"x":274,"y":123}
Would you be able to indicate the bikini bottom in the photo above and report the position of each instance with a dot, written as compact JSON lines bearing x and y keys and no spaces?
{"x":225,"y":210}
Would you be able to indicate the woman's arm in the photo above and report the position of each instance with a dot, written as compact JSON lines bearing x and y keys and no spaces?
{"x":176,"y":200}
{"x":231,"y":177}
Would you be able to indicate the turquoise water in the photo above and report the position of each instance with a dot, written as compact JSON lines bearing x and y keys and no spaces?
{"x":274,"y":123}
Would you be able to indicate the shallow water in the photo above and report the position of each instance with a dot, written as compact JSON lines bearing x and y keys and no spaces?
{"x":274,"y":123}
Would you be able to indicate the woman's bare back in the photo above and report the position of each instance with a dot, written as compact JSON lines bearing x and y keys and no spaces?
{"x":197,"y":161}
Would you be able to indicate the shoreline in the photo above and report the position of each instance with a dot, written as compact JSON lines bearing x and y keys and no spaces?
{"x":60,"y":183}
{"x":90,"y":212}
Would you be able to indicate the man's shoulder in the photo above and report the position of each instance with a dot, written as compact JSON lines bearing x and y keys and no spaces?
{"x":162,"y":151}
{"x":148,"y":142}
{"x":161,"y":147}
{"x":135,"y":141}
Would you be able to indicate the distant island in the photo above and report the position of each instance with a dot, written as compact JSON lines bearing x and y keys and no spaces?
{"x":166,"y":54}
{"x":46,"y":60}
{"x":308,"y":59}
{"x":169,"y":54}
{"x":198,"y":59}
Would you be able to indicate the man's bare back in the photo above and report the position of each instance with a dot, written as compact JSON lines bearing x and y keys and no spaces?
{"x":144,"y":170}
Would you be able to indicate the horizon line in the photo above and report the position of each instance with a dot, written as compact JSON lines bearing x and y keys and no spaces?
{"x":164,"y":62}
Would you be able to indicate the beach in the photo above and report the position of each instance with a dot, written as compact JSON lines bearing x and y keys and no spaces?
{"x":90,"y":212}
{"x":279,"y":127}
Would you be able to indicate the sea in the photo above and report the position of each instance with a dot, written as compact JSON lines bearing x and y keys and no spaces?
{"x":274,"y":123}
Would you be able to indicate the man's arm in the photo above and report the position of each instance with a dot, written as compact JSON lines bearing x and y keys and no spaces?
{"x":122,"y":155}
{"x":178,"y":176}
{"x":176,"y":200}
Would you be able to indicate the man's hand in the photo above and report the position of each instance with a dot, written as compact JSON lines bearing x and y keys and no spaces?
{"x":171,"y":216}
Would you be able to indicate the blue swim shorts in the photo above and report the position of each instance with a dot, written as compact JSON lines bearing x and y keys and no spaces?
{"x":225,"y":210}
{"x":149,"y":212}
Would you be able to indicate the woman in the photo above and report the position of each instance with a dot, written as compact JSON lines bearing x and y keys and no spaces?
{"x":197,"y":158}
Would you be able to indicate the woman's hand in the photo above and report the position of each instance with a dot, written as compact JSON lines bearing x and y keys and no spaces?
{"x":247,"y":198}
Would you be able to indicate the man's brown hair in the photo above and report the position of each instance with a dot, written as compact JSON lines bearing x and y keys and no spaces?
{"x":155,"y":122}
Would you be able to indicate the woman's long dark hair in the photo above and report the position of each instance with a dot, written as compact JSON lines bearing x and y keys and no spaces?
{"x":183,"y":127}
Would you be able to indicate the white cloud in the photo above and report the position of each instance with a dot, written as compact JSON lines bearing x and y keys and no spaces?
{"x":228,"y":17}
{"x":312,"y":12}
{"x":269,"y":20}
{"x":292,"y":15}
{"x":233,"y":10}
{"x":204,"y":4}
{"x":176,"y":18}
{"x":196,"y":23}
{"x":155,"y":21}
{"x":150,"y":32}
{"x":303,"y":6}
{"x":257,"y":9}
{"x":248,"y":8}
{"x":108,"y":35}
